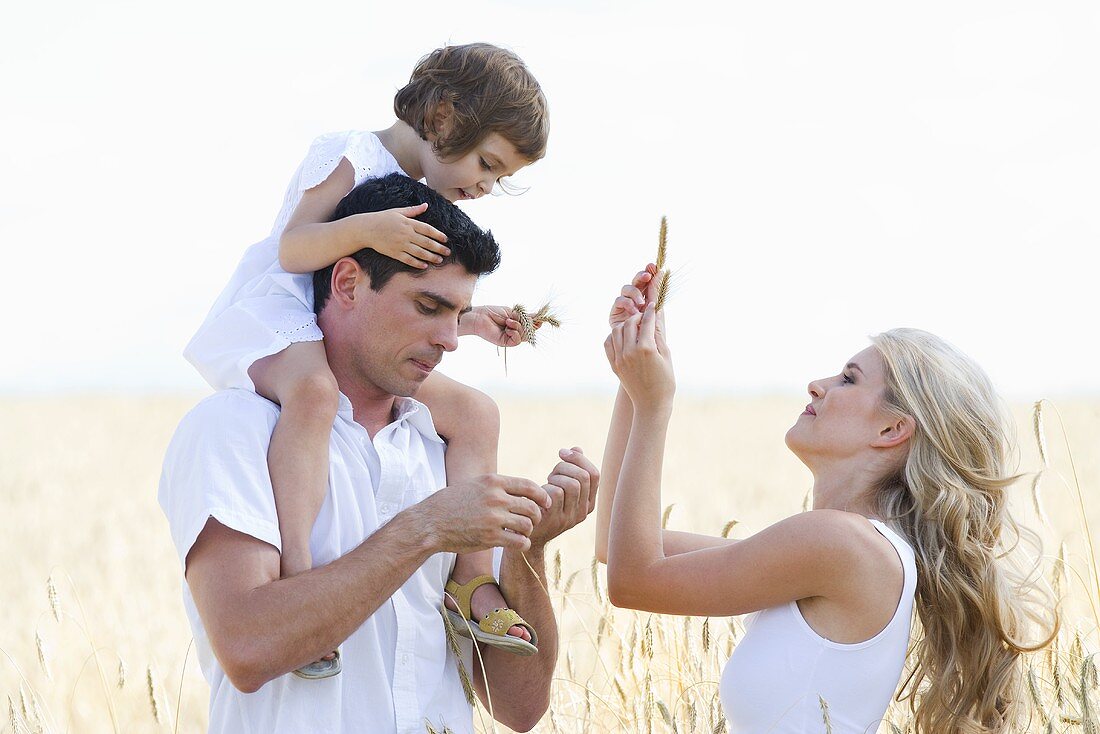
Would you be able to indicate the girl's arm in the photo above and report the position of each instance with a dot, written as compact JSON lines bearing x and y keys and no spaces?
{"x":821,"y":553}
{"x":311,"y":242}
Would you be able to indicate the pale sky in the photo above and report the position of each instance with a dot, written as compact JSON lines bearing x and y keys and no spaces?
{"x":829,"y":170}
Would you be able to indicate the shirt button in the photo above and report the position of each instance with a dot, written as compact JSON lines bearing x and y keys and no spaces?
{"x":405,"y":659}
{"x":386,"y":507}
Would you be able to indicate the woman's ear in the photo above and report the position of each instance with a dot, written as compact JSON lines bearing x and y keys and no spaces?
{"x":897,"y":432}
{"x":346,"y":275}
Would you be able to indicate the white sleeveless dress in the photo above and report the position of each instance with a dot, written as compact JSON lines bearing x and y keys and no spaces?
{"x":264,"y":309}
{"x":782,"y":670}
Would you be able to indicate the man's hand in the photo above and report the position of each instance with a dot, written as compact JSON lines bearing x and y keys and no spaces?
{"x":572,"y":486}
{"x":484,"y":512}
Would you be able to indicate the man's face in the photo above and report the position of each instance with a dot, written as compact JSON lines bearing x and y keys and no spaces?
{"x":395,"y":337}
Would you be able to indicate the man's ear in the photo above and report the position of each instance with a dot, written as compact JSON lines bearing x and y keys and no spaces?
{"x":346,"y":276}
{"x":897,"y":432}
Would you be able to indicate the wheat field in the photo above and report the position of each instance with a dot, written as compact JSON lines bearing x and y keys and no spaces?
{"x":94,"y":638}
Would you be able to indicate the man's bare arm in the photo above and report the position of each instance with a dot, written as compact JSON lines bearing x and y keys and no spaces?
{"x":261,"y":626}
{"x":520,"y":686}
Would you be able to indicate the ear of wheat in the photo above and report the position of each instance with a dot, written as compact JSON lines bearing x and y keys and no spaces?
{"x":662,"y":244}
{"x":530,"y":322}
{"x":664,"y":275}
{"x":662,"y":289}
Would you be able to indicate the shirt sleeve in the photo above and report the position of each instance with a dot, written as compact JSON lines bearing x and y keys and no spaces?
{"x":216,"y":466}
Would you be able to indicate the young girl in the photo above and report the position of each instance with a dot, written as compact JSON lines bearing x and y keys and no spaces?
{"x":469,"y":116}
{"x":909,"y":449}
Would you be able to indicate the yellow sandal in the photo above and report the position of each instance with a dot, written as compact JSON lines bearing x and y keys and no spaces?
{"x":493,"y":629}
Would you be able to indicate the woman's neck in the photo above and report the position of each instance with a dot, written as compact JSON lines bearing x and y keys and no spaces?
{"x":846,"y":487}
{"x":405,"y":145}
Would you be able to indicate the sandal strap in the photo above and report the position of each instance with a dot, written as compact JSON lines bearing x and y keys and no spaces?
{"x":499,"y":621}
{"x":463,"y":592}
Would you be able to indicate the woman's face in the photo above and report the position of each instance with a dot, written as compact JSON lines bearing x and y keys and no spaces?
{"x":846,"y":415}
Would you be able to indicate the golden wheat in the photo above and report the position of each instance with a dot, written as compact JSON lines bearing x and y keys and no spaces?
{"x":619,"y":671}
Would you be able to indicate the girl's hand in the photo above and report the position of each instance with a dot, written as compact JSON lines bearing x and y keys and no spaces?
{"x":641,"y":359}
{"x":634,"y":296}
{"x":495,"y":324}
{"x":394,"y":233}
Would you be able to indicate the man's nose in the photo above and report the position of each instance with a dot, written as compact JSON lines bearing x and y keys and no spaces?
{"x":446,"y":337}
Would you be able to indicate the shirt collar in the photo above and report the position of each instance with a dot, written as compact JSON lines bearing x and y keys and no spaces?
{"x":405,"y":409}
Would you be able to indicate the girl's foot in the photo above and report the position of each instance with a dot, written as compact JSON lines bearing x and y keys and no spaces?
{"x":484,"y":600}
{"x":326,"y":667}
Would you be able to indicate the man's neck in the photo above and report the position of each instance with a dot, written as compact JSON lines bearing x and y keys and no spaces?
{"x":371,"y":407}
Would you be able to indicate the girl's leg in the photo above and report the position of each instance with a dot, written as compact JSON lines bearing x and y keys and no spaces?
{"x":300,"y":381}
{"x":470,"y":422}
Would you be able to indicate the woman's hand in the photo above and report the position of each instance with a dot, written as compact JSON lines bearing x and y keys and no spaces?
{"x":641,"y":359}
{"x":495,"y":324}
{"x":634,"y":296}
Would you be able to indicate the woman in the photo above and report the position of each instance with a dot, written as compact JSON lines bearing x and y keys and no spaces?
{"x":908,"y":446}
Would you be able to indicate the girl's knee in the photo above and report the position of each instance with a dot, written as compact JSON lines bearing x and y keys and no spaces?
{"x":315,"y":390}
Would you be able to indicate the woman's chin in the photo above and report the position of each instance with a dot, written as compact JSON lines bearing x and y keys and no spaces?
{"x":796,"y":442}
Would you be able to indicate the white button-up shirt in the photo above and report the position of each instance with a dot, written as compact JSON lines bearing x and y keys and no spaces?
{"x":398,"y":673}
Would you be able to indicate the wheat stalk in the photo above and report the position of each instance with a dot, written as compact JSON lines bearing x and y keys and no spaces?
{"x":825,"y":718}
{"x":152,"y":689}
{"x":662,"y":288}
{"x":43,"y":658}
{"x":662,"y":244}
{"x":530,"y":322}
{"x":54,"y":599}
{"x":452,"y":643}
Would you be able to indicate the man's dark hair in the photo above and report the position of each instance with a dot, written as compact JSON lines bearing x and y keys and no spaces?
{"x":471,"y":247}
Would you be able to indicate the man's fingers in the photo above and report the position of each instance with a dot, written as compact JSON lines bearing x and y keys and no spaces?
{"x":557,"y":494}
{"x":508,"y":539}
{"x":527,"y":509}
{"x":525,"y":488}
{"x":520,"y":524}
{"x":580,"y":466}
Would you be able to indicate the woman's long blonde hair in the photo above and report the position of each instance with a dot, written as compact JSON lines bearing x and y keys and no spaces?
{"x":976,"y":605}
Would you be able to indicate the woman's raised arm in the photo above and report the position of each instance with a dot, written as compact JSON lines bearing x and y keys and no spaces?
{"x":631,"y":301}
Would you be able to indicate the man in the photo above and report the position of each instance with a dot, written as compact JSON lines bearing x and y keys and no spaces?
{"x":384,"y":541}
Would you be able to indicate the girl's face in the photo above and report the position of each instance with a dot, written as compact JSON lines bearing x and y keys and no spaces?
{"x":474,"y":173}
{"x":845,"y":417}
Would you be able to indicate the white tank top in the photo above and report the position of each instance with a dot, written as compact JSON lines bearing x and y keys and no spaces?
{"x":781,"y":669}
